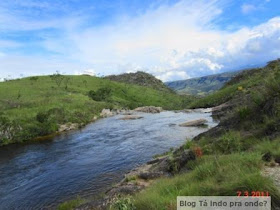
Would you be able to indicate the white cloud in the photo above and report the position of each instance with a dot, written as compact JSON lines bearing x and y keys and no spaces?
{"x":173,"y":75}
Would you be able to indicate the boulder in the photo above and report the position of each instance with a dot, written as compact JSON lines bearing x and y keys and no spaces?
{"x":68,"y":127}
{"x":131,"y":117}
{"x":106,"y":113}
{"x":149,"y":109}
{"x":199,"y":122}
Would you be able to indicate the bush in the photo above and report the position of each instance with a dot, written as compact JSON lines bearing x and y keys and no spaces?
{"x":42,"y":117}
{"x":123,"y":204}
{"x":101,"y":94}
{"x":34,"y":78}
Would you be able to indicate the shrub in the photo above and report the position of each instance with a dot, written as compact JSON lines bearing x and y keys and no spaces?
{"x":101,"y":94}
{"x":123,"y":204}
{"x":34,"y":78}
{"x":42,"y":117}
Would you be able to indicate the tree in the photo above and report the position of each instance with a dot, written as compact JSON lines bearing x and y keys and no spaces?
{"x":58,"y":78}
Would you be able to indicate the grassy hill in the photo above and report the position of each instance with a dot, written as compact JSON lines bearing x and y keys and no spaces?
{"x":142,"y":79}
{"x":232,"y":157}
{"x":202,"y":85}
{"x":36,"y":106}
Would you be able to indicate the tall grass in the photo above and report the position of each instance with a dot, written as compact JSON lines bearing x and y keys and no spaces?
{"x":212,"y":176}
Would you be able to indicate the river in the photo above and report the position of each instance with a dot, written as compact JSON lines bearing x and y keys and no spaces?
{"x":86,"y":162}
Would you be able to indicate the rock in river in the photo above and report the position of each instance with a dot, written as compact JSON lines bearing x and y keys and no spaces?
{"x":199,"y":122}
{"x":149,"y":109}
{"x":131,"y":117}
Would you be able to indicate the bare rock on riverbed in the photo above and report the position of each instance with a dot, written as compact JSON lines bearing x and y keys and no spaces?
{"x":199,"y":122}
{"x":131,"y":117}
{"x":110,"y":113}
{"x":149,"y":109}
{"x":106,"y":113}
{"x":68,"y":127}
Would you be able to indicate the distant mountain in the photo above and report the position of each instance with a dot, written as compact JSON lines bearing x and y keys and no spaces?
{"x":140,"y":78}
{"x":201,"y":85}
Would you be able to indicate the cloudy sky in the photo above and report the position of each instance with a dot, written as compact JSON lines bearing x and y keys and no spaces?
{"x":172,"y":39}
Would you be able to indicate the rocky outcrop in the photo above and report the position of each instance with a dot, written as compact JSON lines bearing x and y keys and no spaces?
{"x":149,"y":109}
{"x":142,"y":79}
{"x":131,"y":117}
{"x":199,"y":122}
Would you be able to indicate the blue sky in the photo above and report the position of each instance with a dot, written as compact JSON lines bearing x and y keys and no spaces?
{"x":176,"y":39}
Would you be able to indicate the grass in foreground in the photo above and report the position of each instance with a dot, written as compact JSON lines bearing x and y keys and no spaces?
{"x":222,"y":173}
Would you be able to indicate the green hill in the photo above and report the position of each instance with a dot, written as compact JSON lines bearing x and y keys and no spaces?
{"x":140,"y":78}
{"x":36,"y":106}
{"x":202,"y":85}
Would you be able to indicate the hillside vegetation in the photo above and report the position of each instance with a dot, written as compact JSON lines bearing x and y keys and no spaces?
{"x":36,"y":106}
{"x":201,"y":86}
{"x":140,"y":78}
{"x":233,"y":156}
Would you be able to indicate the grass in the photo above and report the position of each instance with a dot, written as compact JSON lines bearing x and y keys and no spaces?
{"x":239,"y":86}
{"x":214,"y":175}
{"x":268,"y":146}
{"x":72,"y":204}
{"x":64,"y":99}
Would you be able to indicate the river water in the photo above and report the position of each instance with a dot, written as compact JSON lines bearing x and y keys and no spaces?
{"x":86,"y":162}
